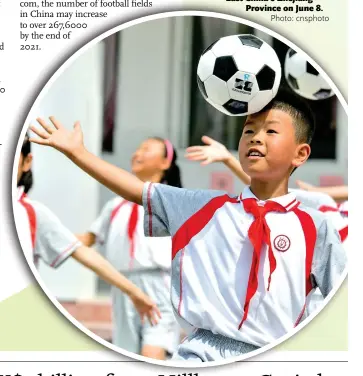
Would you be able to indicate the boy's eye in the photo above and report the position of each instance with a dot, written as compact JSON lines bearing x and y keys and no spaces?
{"x":248,"y":131}
{"x":271,"y":131}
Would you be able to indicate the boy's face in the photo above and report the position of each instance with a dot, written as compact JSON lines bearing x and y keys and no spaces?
{"x":268,"y":149}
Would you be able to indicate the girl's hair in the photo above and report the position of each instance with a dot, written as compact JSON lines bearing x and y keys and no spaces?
{"x":26,"y":179}
{"x":172,"y":174}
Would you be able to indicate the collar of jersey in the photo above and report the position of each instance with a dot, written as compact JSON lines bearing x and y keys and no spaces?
{"x":288,"y":201}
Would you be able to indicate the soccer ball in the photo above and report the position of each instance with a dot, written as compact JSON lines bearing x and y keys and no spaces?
{"x":304,"y":79}
{"x":239,"y":74}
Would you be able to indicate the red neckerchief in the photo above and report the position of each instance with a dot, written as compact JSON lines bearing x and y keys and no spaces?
{"x":259,"y":233}
{"x":134,"y":216}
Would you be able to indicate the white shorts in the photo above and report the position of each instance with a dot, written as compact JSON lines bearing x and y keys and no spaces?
{"x":128,"y":332}
{"x":204,"y":346}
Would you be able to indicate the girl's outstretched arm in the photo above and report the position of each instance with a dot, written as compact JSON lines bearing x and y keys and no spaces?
{"x":338,"y":193}
{"x":92,"y":260}
{"x":70,"y":143}
{"x":216,"y":152}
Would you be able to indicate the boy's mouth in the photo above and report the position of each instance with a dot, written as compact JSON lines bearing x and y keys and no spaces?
{"x":254,"y":153}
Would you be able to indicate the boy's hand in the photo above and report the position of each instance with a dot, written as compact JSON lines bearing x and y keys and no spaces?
{"x":58,"y":137}
{"x":213,"y":152}
{"x":145,"y":307}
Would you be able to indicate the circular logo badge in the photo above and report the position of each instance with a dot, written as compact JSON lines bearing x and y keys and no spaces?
{"x":282,"y":243}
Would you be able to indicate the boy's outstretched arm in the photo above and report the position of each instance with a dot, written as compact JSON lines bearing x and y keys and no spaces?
{"x":70,"y":143}
{"x":216,"y":152}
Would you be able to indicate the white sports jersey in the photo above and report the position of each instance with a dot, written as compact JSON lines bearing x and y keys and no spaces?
{"x":41,"y":233}
{"x":119,"y":230}
{"x":338,"y":214}
{"x":216,"y":266}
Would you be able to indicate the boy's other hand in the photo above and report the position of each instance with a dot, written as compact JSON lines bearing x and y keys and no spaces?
{"x":55,"y":135}
{"x":212,"y":152}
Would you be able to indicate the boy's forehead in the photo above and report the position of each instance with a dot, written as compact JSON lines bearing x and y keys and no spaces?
{"x":274,"y":115}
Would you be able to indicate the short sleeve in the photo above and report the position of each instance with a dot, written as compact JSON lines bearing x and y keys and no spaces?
{"x":329,"y":261}
{"x":167,"y":208}
{"x":54,"y":242}
{"x":101,"y":226}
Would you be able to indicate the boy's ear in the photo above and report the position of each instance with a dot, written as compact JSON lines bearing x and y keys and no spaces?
{"x":302,"y":154}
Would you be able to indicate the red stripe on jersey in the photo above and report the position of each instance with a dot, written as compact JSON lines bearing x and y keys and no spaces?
{"x":32,"y":218}
{"x":116,"y":209}
{"x":343,"y":233}
{"x":300,"y":316}
{"x":326,"y":209}
{"x":181,"y":281}
{"x":197,"y":222}
{"x":291,"y":204}
{"x":310,"y":235}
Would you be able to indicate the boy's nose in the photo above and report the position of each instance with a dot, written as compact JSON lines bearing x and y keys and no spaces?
{"x":256,"y":140}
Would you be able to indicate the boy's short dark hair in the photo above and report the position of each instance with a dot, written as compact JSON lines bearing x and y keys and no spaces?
{"x":299,"y":110}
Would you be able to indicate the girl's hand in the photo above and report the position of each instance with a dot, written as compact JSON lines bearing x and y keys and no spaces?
{"x":145,"y":307}
{"x":213,"y":152}
{"x":58,"y":137}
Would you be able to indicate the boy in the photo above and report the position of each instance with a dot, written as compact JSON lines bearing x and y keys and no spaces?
{"x":242,"y":266}
{"x":314,"y":197}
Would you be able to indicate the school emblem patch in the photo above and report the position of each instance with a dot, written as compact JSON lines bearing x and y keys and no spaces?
{"x":282,"y":243}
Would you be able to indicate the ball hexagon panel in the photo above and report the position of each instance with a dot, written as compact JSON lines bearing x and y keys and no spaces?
{"x":226,"y":46}
{"x":217,"y":90}
{"x":201,"y":87}
{"x":260,"y":101}
{"x":309,"y":84}
{"x":249,"y":59}
{"x":296,"y":65}
{"x":206,"y":65}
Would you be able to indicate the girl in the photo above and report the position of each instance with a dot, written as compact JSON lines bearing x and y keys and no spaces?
{"x":145,"y":261}
{"x":44,"y":237}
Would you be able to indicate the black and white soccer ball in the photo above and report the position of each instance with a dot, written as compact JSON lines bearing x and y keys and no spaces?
{"x":239,"y":74}
{"x":304,"y":79}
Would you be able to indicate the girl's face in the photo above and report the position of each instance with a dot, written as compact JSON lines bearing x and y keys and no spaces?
{"x":24,"y":165}
{"x":149,"y":159}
